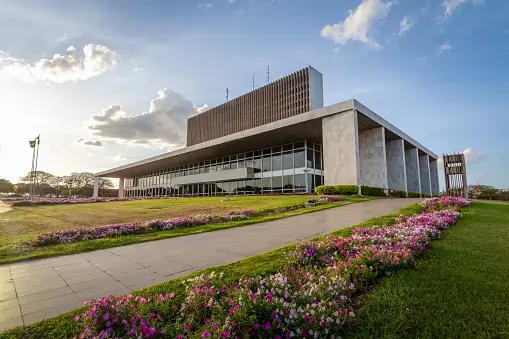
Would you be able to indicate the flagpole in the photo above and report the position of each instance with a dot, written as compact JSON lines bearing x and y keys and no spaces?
{"x":31,"y":187}
{"x":37,"y":157}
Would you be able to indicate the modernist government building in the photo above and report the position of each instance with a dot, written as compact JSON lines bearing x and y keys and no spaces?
{"x":281,"y":139}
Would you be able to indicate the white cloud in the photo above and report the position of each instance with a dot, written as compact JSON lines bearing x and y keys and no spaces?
{"x":405,"y":25}
{"x":94,"y":143}
{"x":205,"y":5}
{"x":164,"y":124}
{"x":358,"y":24}
{"x":231,"y":1}
{"x":446,"y":46}
{"x":472,"y":156}
{"x":138,"y":69}
{"x":93,"y":61}
{"x":118,"y":157}
{"x":452,"y":5}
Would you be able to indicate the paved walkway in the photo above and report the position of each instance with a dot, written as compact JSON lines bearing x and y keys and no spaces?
{"x":4,"y":207}
{"x":31,"y":291}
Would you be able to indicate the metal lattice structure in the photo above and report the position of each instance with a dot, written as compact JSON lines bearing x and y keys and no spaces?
{"x":455,"y":175}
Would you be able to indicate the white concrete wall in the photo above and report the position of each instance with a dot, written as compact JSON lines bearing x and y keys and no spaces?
{"x":433,"y":169}
{"x":341,"y":149}
{"x":121,"y":188}
{"x":315,"y":89}
{"x":96,"y":187}
{"x":425,"y":175}
{"x":396,"y":168}
{"x":413,"y":176}
{"x":372,"y":158}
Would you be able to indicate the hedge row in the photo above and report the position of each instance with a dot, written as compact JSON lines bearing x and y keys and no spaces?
{"x":398,"y":194}
{"x":413,"y":195}
{"x":372,"y":191}
{"x":337,"y":190}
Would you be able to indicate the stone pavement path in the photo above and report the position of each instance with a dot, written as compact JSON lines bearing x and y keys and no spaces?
{"x":34,"y":290}
{"x":4,"y":207}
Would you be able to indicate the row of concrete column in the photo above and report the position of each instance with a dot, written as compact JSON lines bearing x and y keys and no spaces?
{"x":368,"y":158}
{"x":121,"y":185}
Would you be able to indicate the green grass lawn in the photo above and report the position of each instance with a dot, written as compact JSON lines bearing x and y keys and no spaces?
{"x":460,"y":291}
{"x":264,"y":264}
{"x":24,"y":222}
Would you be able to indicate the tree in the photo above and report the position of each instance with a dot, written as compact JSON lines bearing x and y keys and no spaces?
{"x":57,"y":183}
{"x":41,"y":178}
{"x":105,"y":185}
{"x":6,"y":186}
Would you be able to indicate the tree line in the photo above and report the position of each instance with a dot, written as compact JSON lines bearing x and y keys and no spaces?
{"x":46,"y":184}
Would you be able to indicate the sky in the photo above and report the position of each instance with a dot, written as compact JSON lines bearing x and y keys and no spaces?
{"x":105,"y":83}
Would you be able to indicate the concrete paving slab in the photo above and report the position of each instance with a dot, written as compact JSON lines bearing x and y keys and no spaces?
{"x":6,"y":304}
{"x":48,"y":287}
{"x":10,"y":313}
{"x":33,"y":298}
{"x":10,"y":323}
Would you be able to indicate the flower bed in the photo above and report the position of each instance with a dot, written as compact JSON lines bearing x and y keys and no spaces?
{"x":309,"y":298}
{"x":117,"y":230}
{"x":61,"y":201}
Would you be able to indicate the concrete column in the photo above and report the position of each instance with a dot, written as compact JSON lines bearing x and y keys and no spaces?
{"x":413,"y":176}
{"x":433,"y":172}
{"x":341,"y":149}
{"x":96,"y":187}
{"x":396,"y":169}
{"x":121,"y":188}
{"x":425,"y":175}
{"x":372,"y":157}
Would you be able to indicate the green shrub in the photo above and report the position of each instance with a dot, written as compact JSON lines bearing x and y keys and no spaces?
{"x":372,"y":191}
{"x":426,"y":196}
{"x":414,"y":195}
{"x":337,"y":190}
{"x":346,"y":189}
{"x":398,"y":194}
{"x":325,"y":190}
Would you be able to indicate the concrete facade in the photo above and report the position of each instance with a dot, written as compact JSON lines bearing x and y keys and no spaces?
{"x":373,"y":158}
{"x":292,"y":95}
{"x":341,"y":148}
{"x":121,"y":188}
{"x":413,"y":174}
{"x":359,"y":146}
{"x":424,"y":174}
{"x":433,"y":172}
{"x":396,"y":166}
{"x":96,"y":187}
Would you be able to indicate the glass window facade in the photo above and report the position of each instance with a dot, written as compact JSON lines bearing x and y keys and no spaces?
{"x":289,"y":168}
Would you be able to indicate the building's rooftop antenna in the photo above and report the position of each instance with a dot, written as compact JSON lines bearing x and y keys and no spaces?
{"x":268,"y":74}
{"x":253,"y":83}
{"x":227,"y":94}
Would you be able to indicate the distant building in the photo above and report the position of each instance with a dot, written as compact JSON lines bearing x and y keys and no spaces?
{"x":280,"y":139}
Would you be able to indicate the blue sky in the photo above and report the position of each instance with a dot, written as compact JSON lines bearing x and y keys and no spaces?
{"x":438,"y":70}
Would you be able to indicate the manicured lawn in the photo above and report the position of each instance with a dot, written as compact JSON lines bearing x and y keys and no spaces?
{"x":265,"y":264}
{"x":23,"y":223}
{"x":460,"y":291}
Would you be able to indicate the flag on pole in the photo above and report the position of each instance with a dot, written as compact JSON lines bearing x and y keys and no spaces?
{"x":36,"y":140}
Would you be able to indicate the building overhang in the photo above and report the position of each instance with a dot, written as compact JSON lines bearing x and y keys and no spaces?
{"x":305,"y":126}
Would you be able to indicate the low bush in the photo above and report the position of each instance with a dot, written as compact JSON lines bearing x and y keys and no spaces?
{"x":414,"y":195}
{"x":346,"y":189}
{"x":337,"y":190}
{"x":372,"y":191}
{"x":397,"y":194}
